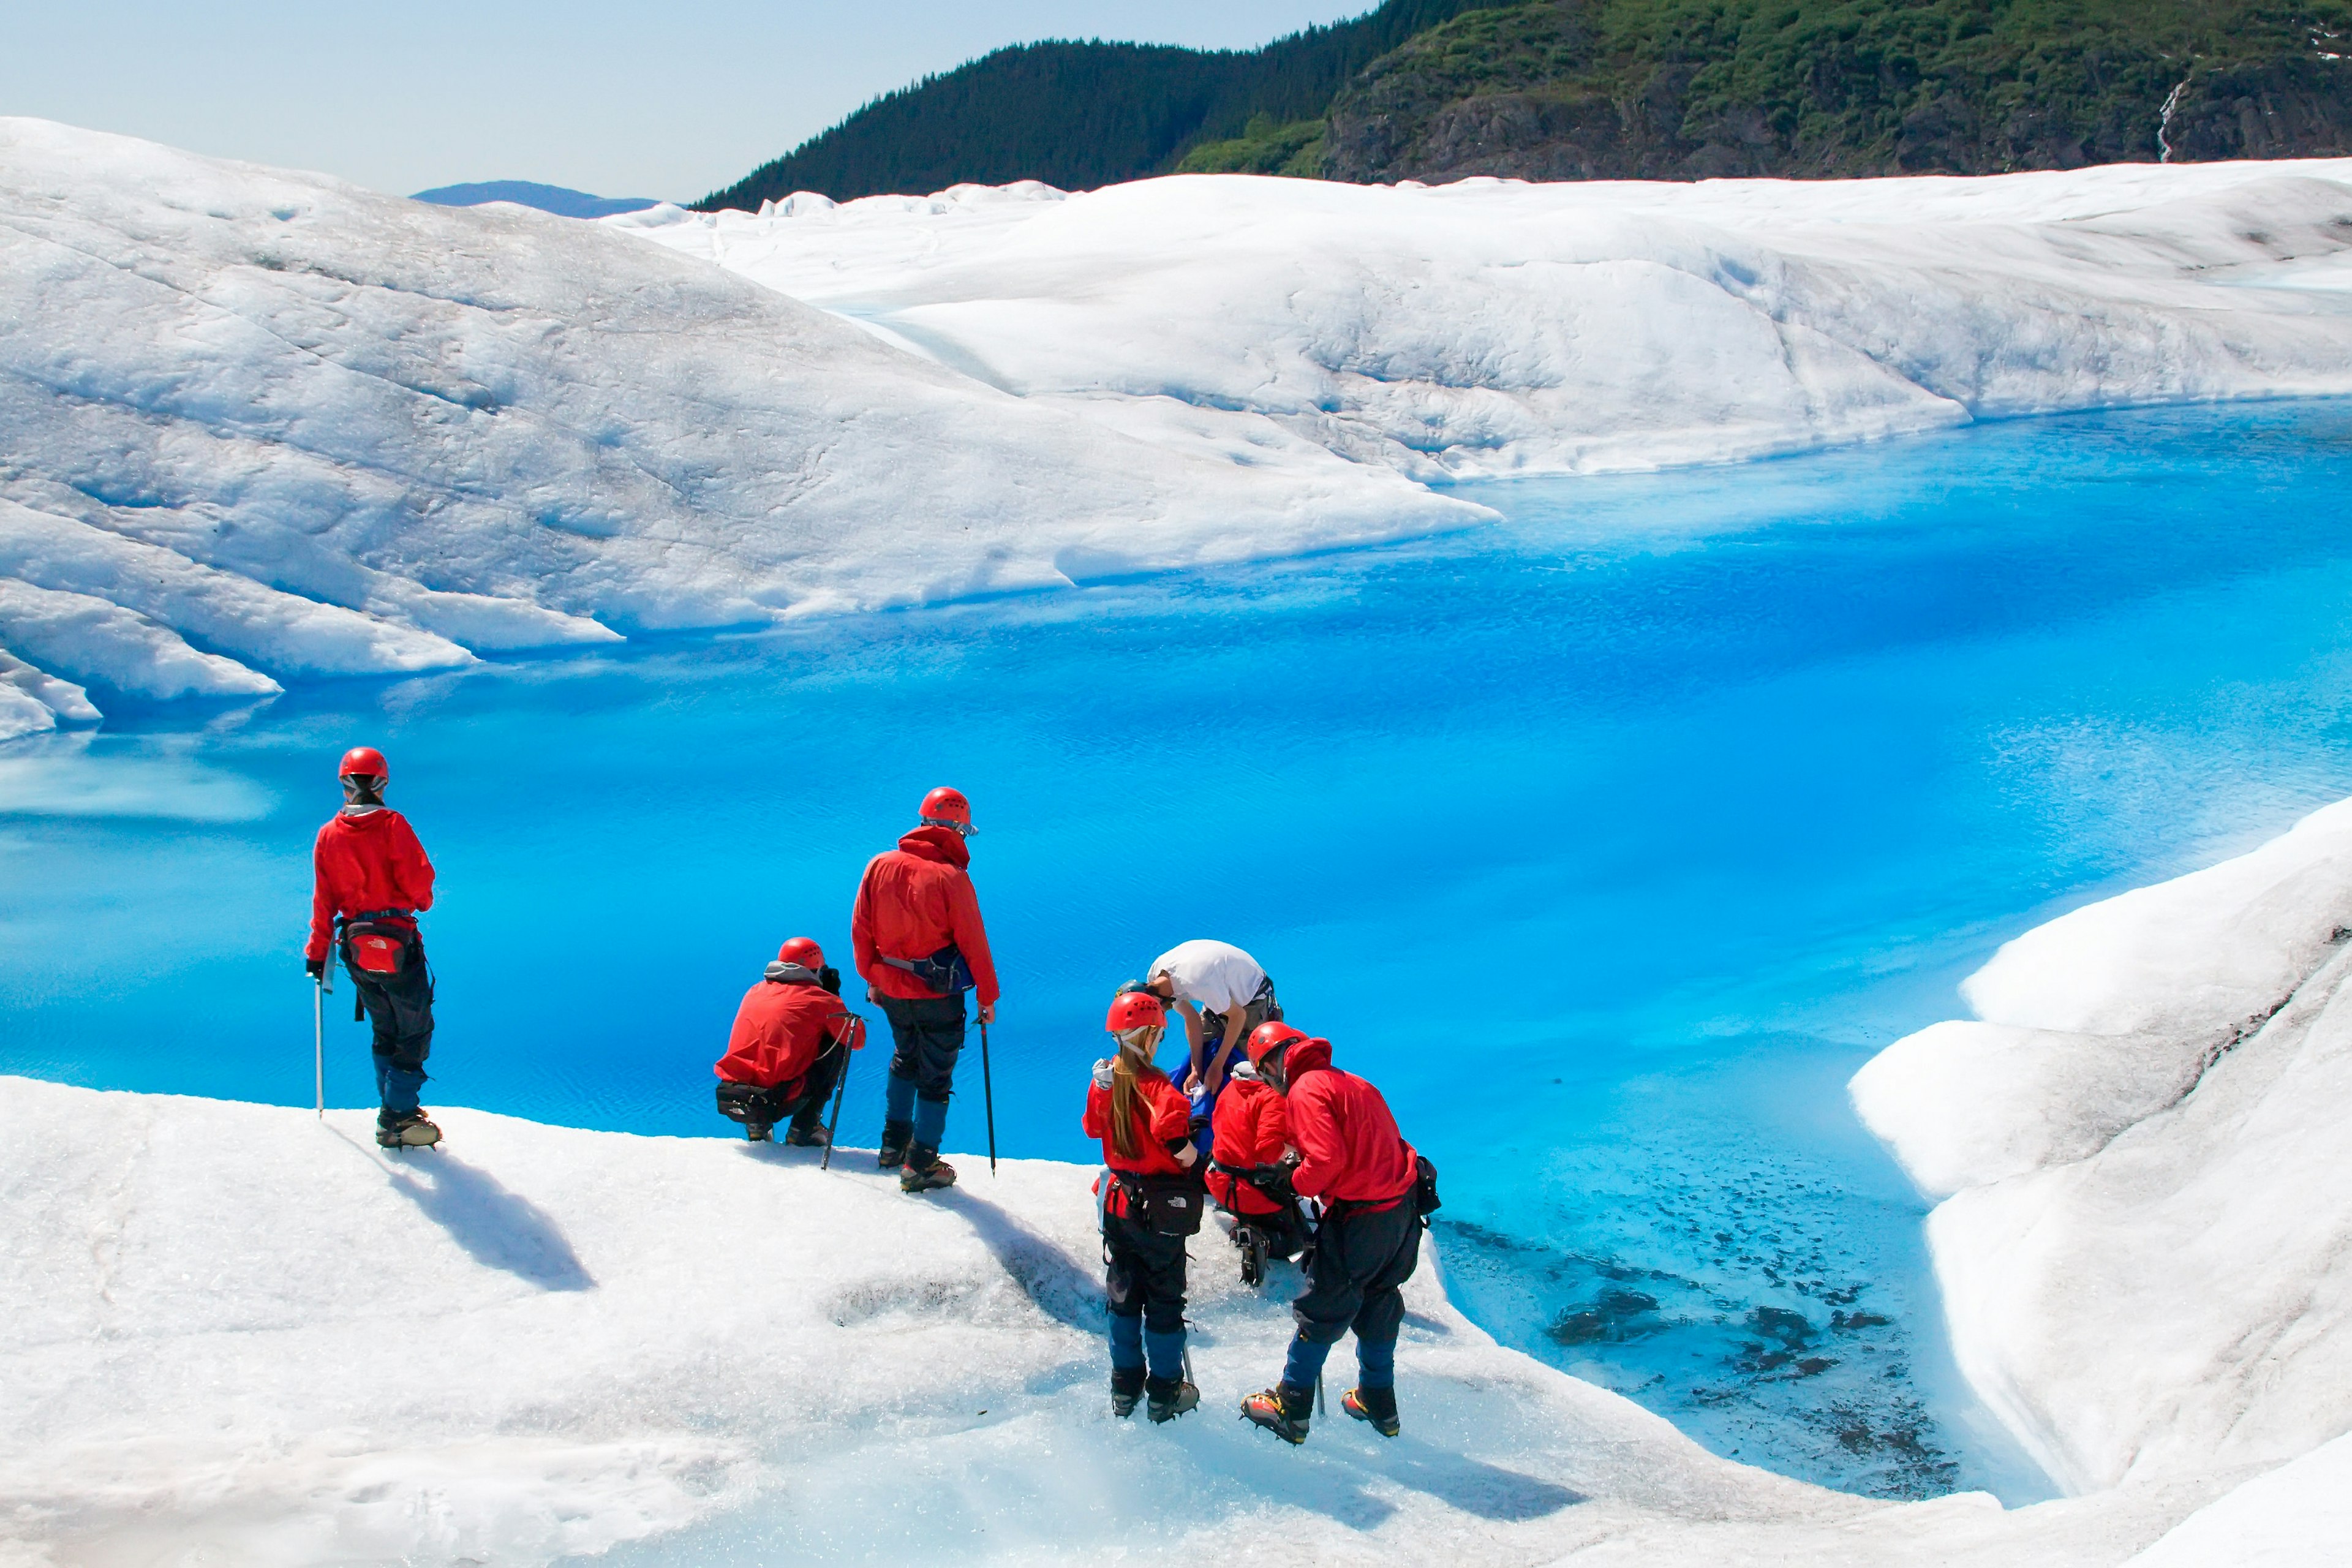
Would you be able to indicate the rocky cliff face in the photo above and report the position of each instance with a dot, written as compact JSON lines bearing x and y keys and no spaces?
{"x":1562,"y":90}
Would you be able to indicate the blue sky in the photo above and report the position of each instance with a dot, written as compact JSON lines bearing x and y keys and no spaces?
{"x":622,"y":100}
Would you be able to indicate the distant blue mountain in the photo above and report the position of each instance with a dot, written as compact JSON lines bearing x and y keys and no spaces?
{"x":546,"y":198}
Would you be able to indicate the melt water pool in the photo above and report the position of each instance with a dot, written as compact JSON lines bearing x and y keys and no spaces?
{"x":1610,"y":839}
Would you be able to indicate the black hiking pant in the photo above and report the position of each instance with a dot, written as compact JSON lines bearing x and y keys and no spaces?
{"x":1283,"y":1231}
{"x":801,"y":1103}
{"x":1143,"y":1275}
{"x":926,"y":1038}
{"x":1354,"y":1275}
{"x":400,"y":1008}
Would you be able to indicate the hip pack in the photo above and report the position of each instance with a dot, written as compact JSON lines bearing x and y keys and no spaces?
{"x":374,"y":944}
{"x":1164,"y":1206}
{"x":944,"y":971}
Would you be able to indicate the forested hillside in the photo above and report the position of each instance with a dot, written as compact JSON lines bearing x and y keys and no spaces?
{"x":1079,"y":115}
{"x":1552,"y":89}
{"x":1691,"y":89}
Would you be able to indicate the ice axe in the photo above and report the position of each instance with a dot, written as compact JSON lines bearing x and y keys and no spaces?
{"x":840,"y":1089}
{"x":988,"y":1096}
{"x":325,"y":983}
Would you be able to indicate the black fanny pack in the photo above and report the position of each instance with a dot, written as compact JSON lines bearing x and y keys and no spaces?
{"x":1164,"y":1206}
{"x":748,"y":1102}
{"x":1425,"y":1201}
{"x":944,"y":971}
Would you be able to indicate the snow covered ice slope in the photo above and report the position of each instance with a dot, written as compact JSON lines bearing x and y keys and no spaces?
{"x":1490,"y":327}
{"x":291,"y":428}
{"x":2146,"y":1237}
{"x":287,"y":428}
{"x":229,"y":1332}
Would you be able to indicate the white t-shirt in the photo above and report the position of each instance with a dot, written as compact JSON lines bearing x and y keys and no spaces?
{"x":1215,"y":976}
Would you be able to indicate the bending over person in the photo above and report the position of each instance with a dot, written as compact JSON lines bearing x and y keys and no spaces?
{"x":1222,"y":993}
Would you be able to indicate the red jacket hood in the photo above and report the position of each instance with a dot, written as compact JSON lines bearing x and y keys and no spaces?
{"x":944,"y":845}
{"x":1305,"y":1056}
{"x":372,"y":822}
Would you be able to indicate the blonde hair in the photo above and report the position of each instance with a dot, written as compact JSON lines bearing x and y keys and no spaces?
{"x":1136,"y":1047}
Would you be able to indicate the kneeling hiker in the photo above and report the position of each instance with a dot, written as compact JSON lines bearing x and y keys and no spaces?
{"x":1151,"y":1205}
{"x":792,"y":1038}
{"x":1247,"y":1175}
{"x":1370,"y":1184}
{"x":919,"y":945}
{"x":369,"y":882}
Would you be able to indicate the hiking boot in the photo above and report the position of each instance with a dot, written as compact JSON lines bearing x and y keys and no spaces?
{"x":1377,"y":1405}
{"x":1281,"y":1410}
{"x":895,"y":1138}
{"x":757,"y":1132}
{"x":925,"y":1170}
{"x":1170,"y":1397}
{"x":810,"y":1137}
{"x":410,"y":1132}
{"x":1125,"y":1388}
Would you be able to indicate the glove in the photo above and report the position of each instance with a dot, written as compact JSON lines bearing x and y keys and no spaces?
{"x":316,"y":968}
{"x":830,"y":978}
{"x":1103,"y":1073}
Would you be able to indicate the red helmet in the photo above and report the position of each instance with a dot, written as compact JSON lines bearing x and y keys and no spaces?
{"x":945,"y":808}
{"x":1135,"y":1010}
{"x":363,"y":763}
{"x":1270,"y":1038}
{"x":802,"y":951}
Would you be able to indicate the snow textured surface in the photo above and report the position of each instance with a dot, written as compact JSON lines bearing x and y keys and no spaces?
{"x":315,"y":431}
{"x":2146,"y":1247}
{"x":1489,"y":328}
{"x":232,"y":1325}
{"x":318,"y":431}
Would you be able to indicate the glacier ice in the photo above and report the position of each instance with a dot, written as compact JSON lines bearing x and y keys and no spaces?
{"x":310,"y":430}
{"x":236,"y":1329}
{"x":315,"y":430}
{"x":1488,"y":327}
{"x":2138,"y":1145}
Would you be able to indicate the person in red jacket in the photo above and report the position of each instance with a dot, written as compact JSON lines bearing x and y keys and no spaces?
{"x":1352,"y":1159}
{"x":792,"y":1037}
{"x":370,"y":881}
{"x":1145,"y":1123}
{"x":917,"y":936}
{"x":1246,"y":1176}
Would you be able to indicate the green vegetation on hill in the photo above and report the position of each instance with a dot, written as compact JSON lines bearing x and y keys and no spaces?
{"x":1078,"y":115}
{"x":1440,"y":90}
{"x":1683,"y":89}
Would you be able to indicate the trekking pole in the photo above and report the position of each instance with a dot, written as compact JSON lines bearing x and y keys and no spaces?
{"x":1320,"y":1408}
{"x":839,"y":1090}
{"x":988,"y":1097}
{"x":319,"y":1041}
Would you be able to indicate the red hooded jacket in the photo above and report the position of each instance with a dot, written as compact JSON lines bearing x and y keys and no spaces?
{"x":1163,"y":1114}
{"x":1348,"y":1147}
{"x":780,"y":1028}
{"x":915,"y":900}
{"x":1253,"y":1123}
{"x":363,"y":863}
